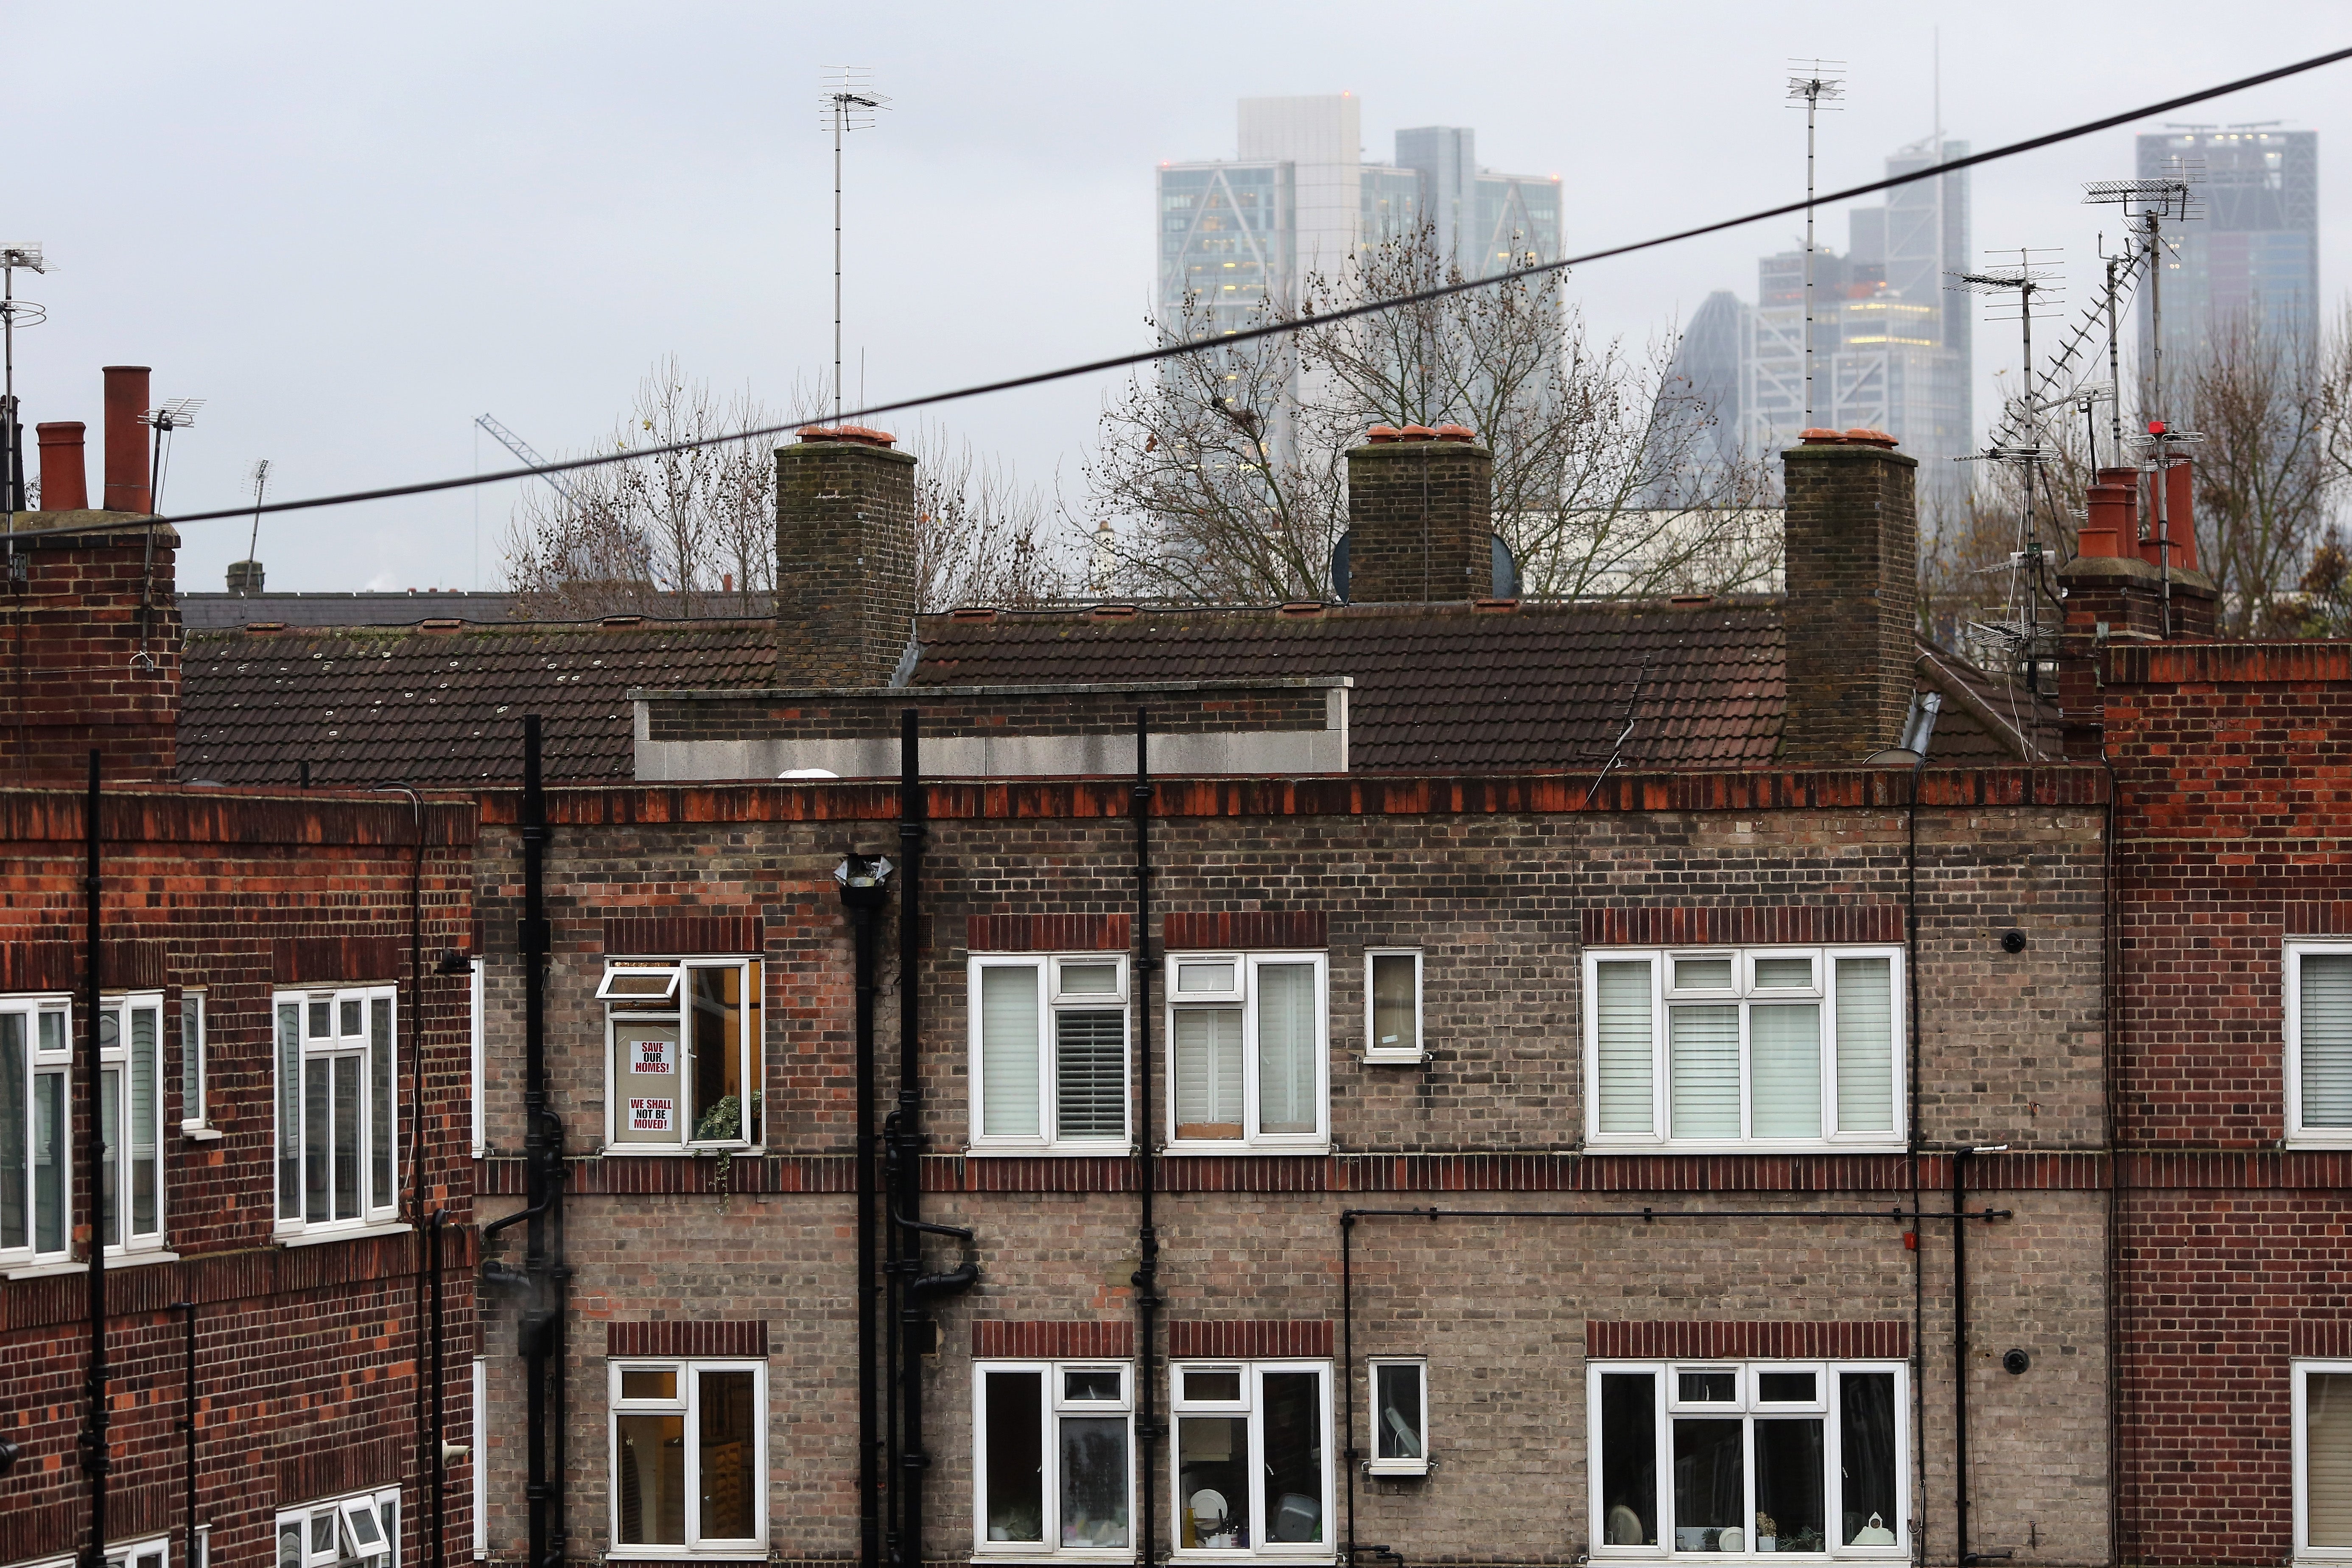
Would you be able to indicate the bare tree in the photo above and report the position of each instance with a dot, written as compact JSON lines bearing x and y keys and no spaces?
{"x":693,"y":533}
{"x":1228,"y":469}
{"x":2264,"y":470}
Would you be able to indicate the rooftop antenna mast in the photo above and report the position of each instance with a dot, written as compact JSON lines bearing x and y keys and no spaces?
{"x":1815,"y":82}
{"x":850,"y":104}
{"x":15,"y":314}
{"x":2032,"y":278}
{"x":179,"y":414}
{"x":260,"y":477}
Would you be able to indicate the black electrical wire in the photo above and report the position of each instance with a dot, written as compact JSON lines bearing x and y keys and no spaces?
{"x":1270,"y":329}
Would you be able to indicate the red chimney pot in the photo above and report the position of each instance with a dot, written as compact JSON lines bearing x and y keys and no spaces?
{"x":65,"y":473}
{"x":126,"y":439}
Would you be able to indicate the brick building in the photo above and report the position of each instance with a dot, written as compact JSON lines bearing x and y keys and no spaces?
{"x":285,"y":1195}
{"x":1561,"y":1038}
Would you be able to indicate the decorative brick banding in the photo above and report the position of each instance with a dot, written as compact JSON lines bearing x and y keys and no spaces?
{"x":1699,"y":927}
{"x":995,"y":1340}
{"x":1251,"y":1337}
{"x":1630,"y":1341}
{"x":702,"y":1338}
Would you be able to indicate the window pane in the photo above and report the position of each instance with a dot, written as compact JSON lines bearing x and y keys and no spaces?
{"x":651,"y":1462}
{"x":49,"y":1124}
{"x":1090,"y":979}
{"x":1629,"y":1460}
{"x":1703,"y":1070}
{"x":1784,"y":1053}
{"x":1702,"y":975}
{"x":715,"y":1005}
{"x":1211,"y":977}
{"x":1865,"y":1045}
{"x":15,"y":1133}
{"x":646,"y":1081}
{"x":1206,"y":1057}
{"x":1090,"y":1074}
{"x":649,"y":1383}
{"x":1217,"y":1386}
{"x":1094,"y":1481}
{"x":1100,"y":1383}
{"x":1008,"y":1051}
{"x":351,"y":1018}
{"x":289,"y":1544}
{"x":1706,"y":1387}
{"x":1285,"y":1050}
{"x":1784,"y":973}
{"x":1016,"y":1505}
{"x":144,"y":1133}
{"x":1396,"y":1396}
{"x":1866,"y":1458}
{"x":1710,"y":1485}
{"x":1785,"y":1387}
{"x":1789,"y":1506}
{"x":384,"y":1144}
{"x":1293,"y":1456}
{"x":289,"y":1110}
{"x":1622,"y":1003}
{"x":109,"y":1137}
{"x":347,"y":1137}
{"x":2327,"y":1448}
{"x":1396,"y":1022}
{"x":1213,"y":1478}
{"x":322,"y":1021}
{"x":727,"y":1446}
{"x":2326,"y":1046}
{"x":192,"y":1057}
{"x":323,"y":1530}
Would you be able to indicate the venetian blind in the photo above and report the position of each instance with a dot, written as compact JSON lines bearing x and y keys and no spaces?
{"x":1090,"y":1073}
{"x":1865,"y":1045}
{"x":1703,"y":1070}
{"x":1784,"y":1051}
{"x":2328,"y":1450}
{"x":2325,"y":998}
{"x":1008,"y":1050}
{"x":1286,"y":1047}
{"x":1622,"y":1008}
{"x":1206,"y":1059}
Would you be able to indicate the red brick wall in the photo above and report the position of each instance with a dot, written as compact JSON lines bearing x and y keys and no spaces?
{"x":92,"y":659}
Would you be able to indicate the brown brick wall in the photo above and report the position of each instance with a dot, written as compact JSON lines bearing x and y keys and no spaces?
{"x":1853,"y":549}
{"x":1420,"y":521}
{"x":846,"y":563}
{"x":89,"y":607}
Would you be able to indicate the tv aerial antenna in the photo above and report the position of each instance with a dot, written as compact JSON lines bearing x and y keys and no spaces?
{"x":259,"y":478}
{"x":1817,"y":84}
{"x":850,"y":104}
{"x":178,"y":414}
{"x":2148,"y":205}
{"x":24,"y":256}
{"x":2033,"y":280}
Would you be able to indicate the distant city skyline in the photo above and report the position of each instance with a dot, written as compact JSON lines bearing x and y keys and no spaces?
{"x":2250,"y":249}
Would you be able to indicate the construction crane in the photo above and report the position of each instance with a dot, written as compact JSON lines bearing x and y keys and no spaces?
{"x":523,"y":449}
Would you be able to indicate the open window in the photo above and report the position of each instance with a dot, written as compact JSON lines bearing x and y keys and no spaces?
{"x":1400,"y":1413}
{"x":683,"y":1046}
{"x":1052,"y":1475}
{"x":1248,"y":1061}
{"x":1253,"y":1471}
{"x":360,"y":1531}
{"x":1049,"y":1051}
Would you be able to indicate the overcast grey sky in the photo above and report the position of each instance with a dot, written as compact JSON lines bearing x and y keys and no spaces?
{"x":354,"y":229}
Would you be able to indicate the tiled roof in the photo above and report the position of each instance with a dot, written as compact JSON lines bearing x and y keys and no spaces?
{"x":1452,"y":688}
{"x":443,"y":707}
{"x":210,"y":612}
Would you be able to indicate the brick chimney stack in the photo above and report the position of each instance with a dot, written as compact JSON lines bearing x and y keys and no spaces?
{"x":65,"y":474}
{"x":1853,"y":551}
{"x":844,"y":558}
{"x":2116,"y":587}
{"x":1421,"y":519}
{"x":126,"y":439}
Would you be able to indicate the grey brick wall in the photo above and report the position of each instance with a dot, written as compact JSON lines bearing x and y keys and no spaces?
{"x":846,"y":563}
{"x":1853,"y":545}
{"x":1420,"y":514}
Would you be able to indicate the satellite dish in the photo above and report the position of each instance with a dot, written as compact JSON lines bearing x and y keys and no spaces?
{"x":1506,"y":570}
{"x":1339,"y":569}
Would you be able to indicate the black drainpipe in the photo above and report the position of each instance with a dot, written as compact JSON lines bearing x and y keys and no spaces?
{"x":1919,"y":1250}
{"x":96,"y":1460}
{"x":863,"y":891}
{"x":1960,"y":1158}
{"x":195,"y":1553}
{"x":916,"y":1287}
{"x":440,"y":1421}
{"x":1147,"y":1427}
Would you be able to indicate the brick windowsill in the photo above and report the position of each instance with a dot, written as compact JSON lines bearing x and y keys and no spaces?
{"x":357,"y":1233}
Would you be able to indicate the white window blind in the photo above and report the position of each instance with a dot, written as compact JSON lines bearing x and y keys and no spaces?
{"x":1008,"y":1050}
{"x":1090,"y":1073}
{"x":2328,"y":1456}
{"x":1208,"y":1069}
{"x":1622,"y":1003}
{"x":1703,"y":1070}
{"x":1286,"y":1047}
{"x":1784,"y":1044}
{"x":2326,"y":1046}
{"x":1865,"y":1033}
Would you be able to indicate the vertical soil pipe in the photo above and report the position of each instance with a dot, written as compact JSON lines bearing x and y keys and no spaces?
{"x":913,"y":1320}
{"x":95,"y":1458}
{"x":1147,"y":1427}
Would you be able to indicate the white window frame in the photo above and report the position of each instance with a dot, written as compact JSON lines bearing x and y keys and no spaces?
{"x":1252,"y":1404}
{"x":1748,"y":1408}
{"x":150,"y":1552}
{"x":751,"y":1049}
{"x":478,"y":1428}
{"x":384,"y":1501}
{"x":478,"y":1059}
{"x":1375,"y":1051}
{"x":1744,"y":994}
{"x":687,"y":1403}
{"x":2301,"y":1371}
{"x":1247,"y":963}
{"x":1373,"y":1463}
{"x":1055,"y":1406}
{"x":1052,"y":1000}
{"x":195,"y":1065}
{"x":117,"y":1058}
{"x":376,"y":1209}
{"x":2296,"y":950}
{"x":39,"y":1064}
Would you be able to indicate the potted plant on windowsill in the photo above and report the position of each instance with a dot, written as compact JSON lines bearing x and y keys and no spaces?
{"x":1767,"y":1534}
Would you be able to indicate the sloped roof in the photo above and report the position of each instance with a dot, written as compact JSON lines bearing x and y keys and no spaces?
{"x":443,"y":707}
{"x":1449,"y":687}
{"x":212,"y":612}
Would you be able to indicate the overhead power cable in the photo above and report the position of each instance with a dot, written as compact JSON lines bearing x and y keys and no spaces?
{"x":1270,"y":329}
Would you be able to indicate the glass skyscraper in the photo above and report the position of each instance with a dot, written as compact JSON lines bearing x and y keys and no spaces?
{"x":2250,"y":251}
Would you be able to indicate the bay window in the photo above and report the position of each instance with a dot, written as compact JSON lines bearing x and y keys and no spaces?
{"x":1049,"y":1051}
{"x":689,"y":1457}
{"x":338,"y":1111}
{"x":1728,"y":1048}
{"x":36,"y":1121}
{"x":1253,"y":1471}
{"x":2318,"y":1007}
{"x":1051,"y":1473}
{"x":2323,"y":1459}
{"x":1747,"y":1458}
{"x":1248,"y":1060}
{"x":683,"y":1044}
